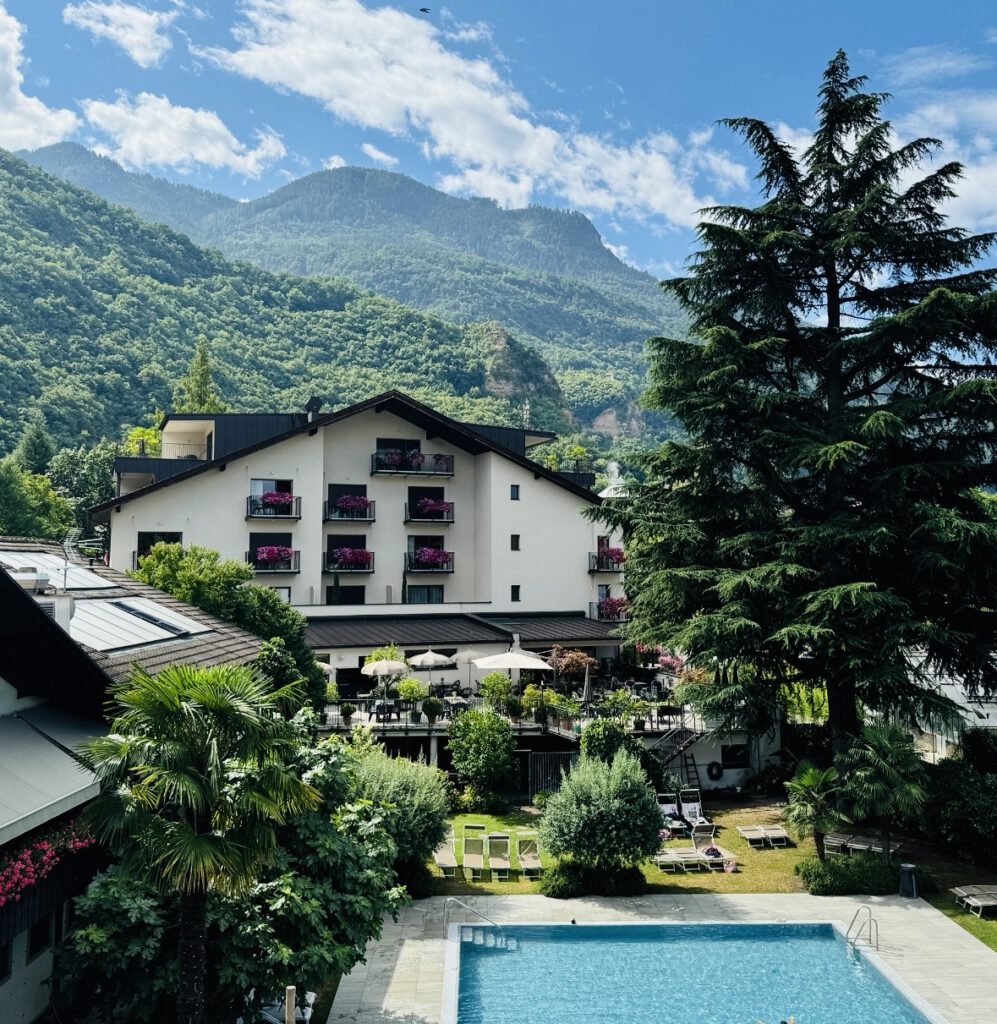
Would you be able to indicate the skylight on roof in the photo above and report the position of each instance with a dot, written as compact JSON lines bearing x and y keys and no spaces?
{"x":120,"y":624}
{"x":62,"y":573}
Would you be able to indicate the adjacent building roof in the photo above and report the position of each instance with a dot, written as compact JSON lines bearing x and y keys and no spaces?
{"x":461,"y":435}
{"x":444,"y":630}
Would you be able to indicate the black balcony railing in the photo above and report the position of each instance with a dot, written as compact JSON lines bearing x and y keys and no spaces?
{"x":438,"y":561}
{"x":292,"y":563}
{"x":361,"y":562}
{"x":332,"y":512}
{"x":608,"y":610}
{"x":394,"y":460}
{"x":258,"y":508}
{"x":415,"y":514}
{"x":604,"y":561}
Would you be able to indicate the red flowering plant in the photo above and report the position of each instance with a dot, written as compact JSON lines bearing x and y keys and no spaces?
{"x":612,"y":607}
{"x":351,"y":558}
{"x":433,"y":506}
{"x":277,"y":499}
{"x":432,"y":558}
{"x":615,"y":555}
{"x":268,"y":553}
{"x":353,"y":503}
{"x":37,"y":858}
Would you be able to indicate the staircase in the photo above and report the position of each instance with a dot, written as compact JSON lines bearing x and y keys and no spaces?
{"x":487,"y":938}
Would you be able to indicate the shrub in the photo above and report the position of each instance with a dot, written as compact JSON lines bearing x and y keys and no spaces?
{"x":531,"y":698}
{"x":962,"y":810}
{"x":562,"y":881}
{"x":347,"y":710}
{"x":412,"y":690}
{"x":481,"y":748}
{"x":541,"y":798}
{"x":604,"y":815}
{"x":513,"y":706}
{"x":604,"y":737}
{"x":476,"y":801}
{"x":858,"y":875}
{"x":432,"y":708}
{"x":495,"y":688}
{"x":979,"y":750}
{"x":569,"y":879}
{"x":331,"y":691}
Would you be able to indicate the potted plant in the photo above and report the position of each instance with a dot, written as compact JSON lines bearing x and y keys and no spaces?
{"x":432,"y":558}
{"x":513,"y":708}
{"x":416,"y":460}
{"x":531,"y":701}
{"x":354,"y":505}
{"x":412,"y":691}
{"x":277,"y":502}
{"x":639,"y":710}
{"x":351,"y":558}
{"x":442,"y":461}
{"x":392,"y":457}
{"x":271,"y":554}
{"x":432,"y":708}
{"x":346,"y":712}
{"x":612,"y":609}
{"x":433,"y":507}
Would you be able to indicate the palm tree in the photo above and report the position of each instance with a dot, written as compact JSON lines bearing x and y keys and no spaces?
{"x":812,"y":809}
{"x":884,"y":777}
{"x":194,"y":781}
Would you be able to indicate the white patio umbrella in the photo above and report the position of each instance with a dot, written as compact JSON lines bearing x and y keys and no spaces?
{"x":383,"y":669}
{"x":516,"y":657}
{"x":327,"y":669}
{"x":467,"y":658}
{"x":429,"y":660}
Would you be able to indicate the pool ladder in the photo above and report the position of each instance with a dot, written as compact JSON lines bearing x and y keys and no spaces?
{"x":479,"y":936}
{"x":867,"y":923}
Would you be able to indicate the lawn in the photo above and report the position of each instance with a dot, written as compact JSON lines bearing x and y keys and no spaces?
{"x":759,"y":871}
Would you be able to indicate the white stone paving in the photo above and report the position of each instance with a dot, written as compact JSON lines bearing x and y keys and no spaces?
{"x":402,"y":981}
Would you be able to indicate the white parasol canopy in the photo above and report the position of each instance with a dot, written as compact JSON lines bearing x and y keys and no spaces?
{"x":327,"y":669}
{"x":384,"y":668}
{"x":516,"y":657}
{"x":430,"y":659}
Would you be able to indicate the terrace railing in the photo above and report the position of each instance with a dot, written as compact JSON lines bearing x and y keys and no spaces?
{"x":331,"y":513}
{"x":290,"y":564}
{"x":257,"y":508}
{"x":402,"y":463}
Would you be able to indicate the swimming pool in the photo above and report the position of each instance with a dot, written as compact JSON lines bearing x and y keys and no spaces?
{"x":668,"y":974}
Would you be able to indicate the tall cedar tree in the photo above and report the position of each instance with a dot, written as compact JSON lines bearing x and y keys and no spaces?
{"x":196,"y":391}
{"x":822,"y":518}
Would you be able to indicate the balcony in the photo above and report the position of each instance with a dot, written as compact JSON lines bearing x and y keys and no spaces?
{"x":273,"y":559}
{"x":265,"y":506}
{"x":348,"y":560}
{"x":429,"y":511}
{"x":607,"y":560}
{"x":176,"y":450}
{"x":395,"y":462}
{"x":332,"y":513}
{"x":609,"y":609}
{"x":429,"y":560}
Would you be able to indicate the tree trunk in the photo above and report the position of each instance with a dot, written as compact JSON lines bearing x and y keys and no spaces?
{"x":819,"y":843}
{"x":842,"y":712}
{"x":192,"y":950}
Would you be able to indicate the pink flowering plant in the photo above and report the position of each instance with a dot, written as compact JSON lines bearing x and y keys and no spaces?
{"x":433,"y":506}
{"x":36,"y":859}
{"x":670,"y":663}
{"x":353,"y":503}
{"x":615,"y":555}
{"x":277,"y":499}
{"x":433,"y":558}
{"x":612,"y":607}
{"x":269,"y":553}
{"x":351,"y":558}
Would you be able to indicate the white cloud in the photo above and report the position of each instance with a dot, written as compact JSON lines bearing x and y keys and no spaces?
{"x":385,"y":69}
{"x":921,"y":64}
{"x":25,"y":121}
{"x":149,"y":131}
{"x":378,"y":155}
{"x":140,"y":33}
{"x":334,"y":162}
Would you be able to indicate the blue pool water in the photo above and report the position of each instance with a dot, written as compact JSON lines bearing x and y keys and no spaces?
{"x":675,"y":974}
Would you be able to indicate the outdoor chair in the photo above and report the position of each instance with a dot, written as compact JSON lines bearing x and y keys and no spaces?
{"x":474,"y":857}
{"x":754,"y":835}
{"x":860,"y":844}
{"x":692,"y":804}
{"x":703,"y":830}
{"x":776,"y":835}
{"x":977,"y":904}
{"x":673,"y":861}
{"x":498,"y":856}
{"x":837,"y":842}
{"x":962,"y":892}
{"x":529,"y":857}
{"x":877,"y":846}
{"x":445,"y":858}
{"x":668,"y":804}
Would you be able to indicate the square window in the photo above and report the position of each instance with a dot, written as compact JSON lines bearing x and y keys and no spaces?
{"x":514,"y":592}
{"x":735,"y":755}
{"x":346,"y":595}
{"x":39,"y":937}
{"x":514,"y":542}
{"x":514,"y":492}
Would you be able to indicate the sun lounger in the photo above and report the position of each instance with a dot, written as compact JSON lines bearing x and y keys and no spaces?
{"x":754,"y":835}
{"x":692,"y":804}
{"x":977,"y":904}
{"x":474,"y":857}
{"x":961,"y":892}
{"x":722,"y":860}
{"x":703,"y":830}
{"x":837,"y":842}
{"x":860,"y":844}
{"x":668,"y":804}
{"x":877,"y":846}
{"x":445,"y":859}
{"x":680,"y":860}
{"x":776,"y":835}
{"x":529,"y":858}
{"x":498,"y":856}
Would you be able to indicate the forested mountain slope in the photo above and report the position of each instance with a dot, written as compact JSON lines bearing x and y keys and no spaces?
{"x":99,"y":313}
{"x":544,"y":274}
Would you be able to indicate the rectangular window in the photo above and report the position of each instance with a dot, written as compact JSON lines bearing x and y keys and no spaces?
{"x":39,"y":937}
{"x":284,"y":593}
{"x":604,"y":591}
{"x":415,"y":542}
{"x":146,"y":539}
{"x":735,"y":755}
{"x":258,"y":487}
{"x":401,"y":444}
{"x":5,"y":961}
{"x":514,"y":592}
{"x":337,"y":491}
{"x":514,"y":492}
{"x":346,"y":595}
{"x":425,"y":595}
{"x":416,"y":494}
{"x":514,"y":542}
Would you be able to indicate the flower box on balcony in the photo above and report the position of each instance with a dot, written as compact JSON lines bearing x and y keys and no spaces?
{"x":274,"y":558}
{"x":612,"y":608}
{"x":350,"y":560}
{"x":430,"y":506}
{"x":277,"y":499}
{"x":426,"y":559}
{"x":353,"y":503}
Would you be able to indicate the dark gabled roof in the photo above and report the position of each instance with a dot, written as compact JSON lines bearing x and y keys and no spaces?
{"x":70,"y":661}
{"x":441,"y":630}
{"x":402,"y":405}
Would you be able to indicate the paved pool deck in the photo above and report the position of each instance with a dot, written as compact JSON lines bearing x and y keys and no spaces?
{"x":402,"y":980}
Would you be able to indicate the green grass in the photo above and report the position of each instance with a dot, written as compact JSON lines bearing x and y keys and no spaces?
{"x":759,"y":871}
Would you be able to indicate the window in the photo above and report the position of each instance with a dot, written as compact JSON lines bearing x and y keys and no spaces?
{"x":5,"y":961}
{"x":425,"y":595}
{"x":355,"y":541}
{"x":735,"y":755}
{"x":604,"y":591}
{"x":284,"y":593}
{"x":345,"y":595}
{"x":387,"y":444}
{"x":514,"y":542}
{"x":415,"y":542}
{"x":147,"y":538}
{"x":514,"y":592}
{"x":514,"y":492}
{"x":260,"y":540}
{"x":337,"y":491}
{"x":258,"y":487}
{"x":39,"y":937}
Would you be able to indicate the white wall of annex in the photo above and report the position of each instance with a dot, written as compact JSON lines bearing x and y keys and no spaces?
{"x":25,"y":994}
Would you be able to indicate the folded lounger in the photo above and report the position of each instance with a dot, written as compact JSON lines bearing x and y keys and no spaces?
{"x":977,"y":904}
{"x":529,"y":858}
{"x":445,"y":859}
{"x":754,"y":835}
{"x":498,"y":856}
{"x":668,"y":804}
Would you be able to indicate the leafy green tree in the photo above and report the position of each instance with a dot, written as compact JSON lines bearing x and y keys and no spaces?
{"x":604,"y":815}
{"x":495,"y":689}
{"x":813,"y":803}
{"x":144,"y":440}
{"x":29,"y":507}
{"x":606,"y":737}
{"x":885,"y":777}
{"x":35,"y":449}
{"x":481,"y":747}
{"x":84,"y":476}
{"x":820,"y":517}
{"x":200,"y":577}
{"x":194,"y":782}
{"x":196,"y":391}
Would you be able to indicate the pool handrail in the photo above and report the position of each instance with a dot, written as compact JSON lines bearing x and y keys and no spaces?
{"x":484,"y":917}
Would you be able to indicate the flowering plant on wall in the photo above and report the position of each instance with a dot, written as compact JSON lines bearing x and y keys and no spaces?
{"x":433,"y":506}
{"x":612,"y":607}
{"x":352,"y":558}
{"x":392,"y":457}
{"x":353,"y":503}
{"x":36,"y":859}
{"x":615,"y":555}
{"x":432,"y":558}
{"x":277,"y":499}
{"x":274,"y":553}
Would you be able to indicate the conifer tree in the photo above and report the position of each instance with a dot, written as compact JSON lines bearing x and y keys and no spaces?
{"x":196,"y":391}
{"x":824,"y":517}
{"x":35,"y":449}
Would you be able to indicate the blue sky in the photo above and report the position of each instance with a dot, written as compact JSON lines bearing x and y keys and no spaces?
{"x":604,"y":107}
